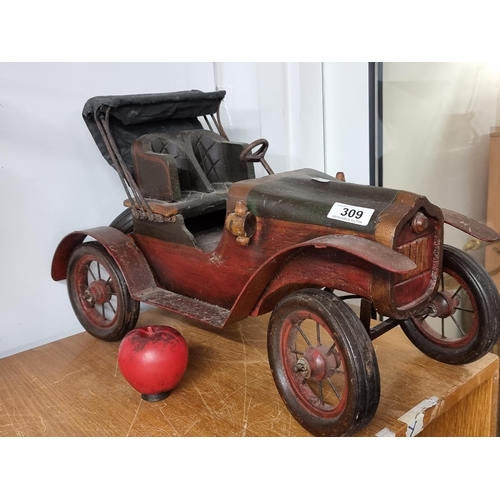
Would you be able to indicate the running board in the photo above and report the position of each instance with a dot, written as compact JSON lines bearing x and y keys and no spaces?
{"x":191,"y":308}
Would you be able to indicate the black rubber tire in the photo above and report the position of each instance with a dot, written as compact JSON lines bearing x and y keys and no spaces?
{"x":359,"y":382}
{"x":124,"y":222}
{"x":484,"y":303}
{"x":113,"y":318}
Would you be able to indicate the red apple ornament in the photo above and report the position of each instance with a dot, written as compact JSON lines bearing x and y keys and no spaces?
{"x":153,"y":360}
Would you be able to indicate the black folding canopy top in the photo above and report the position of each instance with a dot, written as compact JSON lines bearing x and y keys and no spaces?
{"x":115,"y":122}
{"x":131,"y":116}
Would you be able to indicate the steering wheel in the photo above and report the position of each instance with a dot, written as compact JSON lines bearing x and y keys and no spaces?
{"x":248,"y":156}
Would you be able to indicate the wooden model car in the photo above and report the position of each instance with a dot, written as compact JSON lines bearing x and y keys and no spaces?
{"x":206,"y":239}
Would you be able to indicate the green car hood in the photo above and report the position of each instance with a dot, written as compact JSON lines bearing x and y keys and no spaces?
{"x":307,"y":196}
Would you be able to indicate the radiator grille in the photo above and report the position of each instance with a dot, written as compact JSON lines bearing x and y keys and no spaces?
{"x":418,"y":252}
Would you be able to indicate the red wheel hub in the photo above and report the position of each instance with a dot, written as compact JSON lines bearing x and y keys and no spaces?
{"x":443,"y":305}
{"x":98,"y":292}
{"x":318,"y":363}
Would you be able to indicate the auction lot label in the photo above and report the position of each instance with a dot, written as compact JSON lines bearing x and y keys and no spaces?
{"x":349,"y":213}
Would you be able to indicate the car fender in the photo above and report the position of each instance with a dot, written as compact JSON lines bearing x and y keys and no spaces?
{"x":370,"y":251}
{"x":469,"y":226}
{"x":125,"y":252}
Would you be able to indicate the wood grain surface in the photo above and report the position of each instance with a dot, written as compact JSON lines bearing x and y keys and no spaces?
{"x":73,"y":387}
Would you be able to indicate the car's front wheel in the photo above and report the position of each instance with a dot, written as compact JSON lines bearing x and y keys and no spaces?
{"x":464,"y":323}
{"x":323,"y":363}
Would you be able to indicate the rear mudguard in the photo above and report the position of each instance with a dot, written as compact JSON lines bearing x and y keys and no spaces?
{"x":125,"y":252}
{"x":253,"y":298}
{"x":469,"y":226}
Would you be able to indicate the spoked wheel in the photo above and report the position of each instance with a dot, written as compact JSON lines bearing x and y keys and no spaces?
{"x":323,"y":363}
{"x":98,"y":293}
{"x":462,"y":323}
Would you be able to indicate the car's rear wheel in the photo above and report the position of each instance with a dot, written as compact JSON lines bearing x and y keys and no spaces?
{"x":323,"y":363}
{"x":99,"y":294}
{"x":463,"y":323}
{"x":124,"y":222}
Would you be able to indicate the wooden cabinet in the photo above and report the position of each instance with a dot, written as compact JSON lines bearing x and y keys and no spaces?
{"x":73,"y":387}
{"x":421,"y":396}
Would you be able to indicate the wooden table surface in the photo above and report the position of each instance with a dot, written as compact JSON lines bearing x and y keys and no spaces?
{"x":73,"y":387}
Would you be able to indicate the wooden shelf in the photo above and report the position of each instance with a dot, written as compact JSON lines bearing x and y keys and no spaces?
{"x":73,"y":387}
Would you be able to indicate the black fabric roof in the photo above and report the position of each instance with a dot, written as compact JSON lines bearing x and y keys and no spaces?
{"x":131,"y":116}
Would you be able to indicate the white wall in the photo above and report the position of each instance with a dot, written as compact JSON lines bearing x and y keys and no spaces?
{"x":281,"y":102}
{"x":315,"y":115}
{"x":53,"y":179}
{"x":347,"y":120}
